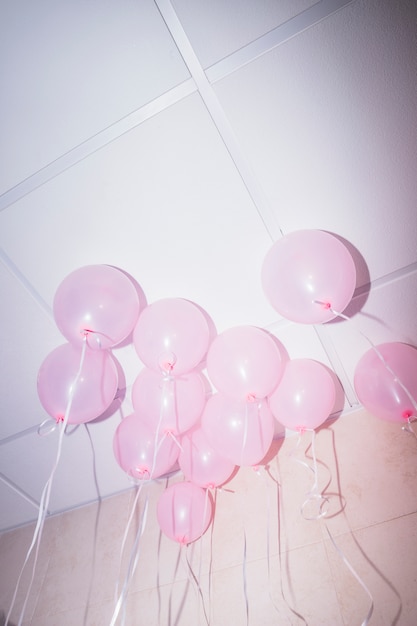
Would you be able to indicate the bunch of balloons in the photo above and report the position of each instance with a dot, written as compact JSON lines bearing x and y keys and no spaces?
{"x":97,"y":305}
{"x":209,"y":425}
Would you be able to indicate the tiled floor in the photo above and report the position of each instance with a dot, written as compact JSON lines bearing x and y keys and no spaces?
{"x":252,"y":566}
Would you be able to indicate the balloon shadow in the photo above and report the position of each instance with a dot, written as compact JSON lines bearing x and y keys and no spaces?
{"x":142,"y":304}
{"x":119,"y":397}
{"x":3,"y":620}
{"x":363,"y":281}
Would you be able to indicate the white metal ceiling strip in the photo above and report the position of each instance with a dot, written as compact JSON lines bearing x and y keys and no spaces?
{"x":276,"y":37}
{"x":98,"y":141}
{"x":19,"y":491}
{"x":219,"y":118}
{"x":14,"y":271}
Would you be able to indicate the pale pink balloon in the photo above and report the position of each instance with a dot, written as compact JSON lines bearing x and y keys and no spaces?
{"x":92,"y":393}
{"x":172,"y":403}
{"x":171,"y":335}
{"x":99,"y":299}
{"x":306,"y":274}
{"x":305,"y":396}
{"x":240,"y":431}
{"x":141,"y":452}
{"x":386,"y":381}
{"x":201,"y":463}
{"x":245,"y":363}
{"x":184,"y":512}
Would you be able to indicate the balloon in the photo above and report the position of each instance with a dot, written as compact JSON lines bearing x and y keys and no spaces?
{"x":201,"y":463}
{"x":385,"y":381}
{"x":308,"y":273}
{"x":240,"y":431}
{"x":245,"y":363}
{"x":140,"y":452}
{"x":171,"y":403}
{"x":94,"y":389}
{"x":99,"y":299}
{"x":171,"y":335}
{"x":184,"y":512}
{"x":305,"y":396}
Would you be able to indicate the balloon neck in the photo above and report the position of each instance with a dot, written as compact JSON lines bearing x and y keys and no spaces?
{"x":140,"y":472}
{"x":324,"y":305}
{"x":182,"y":540}
{"x":251,"y":397}
{"x":167,"y":362}
{"x":59,"y":418}
{"x":87,"y":333}
{"x":300,"y":429}
{"x":407,"y":414}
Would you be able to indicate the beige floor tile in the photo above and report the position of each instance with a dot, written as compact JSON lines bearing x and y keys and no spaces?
{"x":374,"y":467}
{"x":287,"y":592}
{"x":384,"y":557}
{"x":83,"y":565}
{"x":14,"y":546}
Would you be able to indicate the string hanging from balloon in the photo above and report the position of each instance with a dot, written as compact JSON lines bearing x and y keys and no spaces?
{"x":46,"y":492}
{"x":404,"y":358}
{"x":315,"y":495}
{"x":133,"y":559}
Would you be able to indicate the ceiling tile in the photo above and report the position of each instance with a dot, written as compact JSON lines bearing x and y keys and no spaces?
{"x":71,"y":69}
{"x":165,"y":203}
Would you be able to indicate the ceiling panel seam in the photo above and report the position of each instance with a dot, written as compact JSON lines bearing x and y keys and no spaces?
{"x":96,"y":142}
{"x":274,"y":38}
{"x":220,"y":119}
{"x":19,"y":491}
{"x":22,"y":279}
{"x":248,"y":53}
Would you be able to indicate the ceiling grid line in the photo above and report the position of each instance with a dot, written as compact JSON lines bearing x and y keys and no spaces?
{"x":96,"y":142}
{"x":220,"y":120}
{"x":274,"y":38}
{"x":22,"y":279}
{"x":242,"y":164}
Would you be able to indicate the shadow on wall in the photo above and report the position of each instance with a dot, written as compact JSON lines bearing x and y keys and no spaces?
{"x":3,"y":620}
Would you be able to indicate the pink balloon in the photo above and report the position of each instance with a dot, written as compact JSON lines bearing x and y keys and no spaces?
{"x":99,"y":299}
{"x":305,"y":396}
{"x":171,"y":335}
{"x":173,"y":403}
{"x":304,"y":269}
{"x":244,"y":363}
{"x":184,"y":512}
{"x":239,"y":431}
{"x":95,"y":388}
{"x":142,"y":453}
{"x":386,"y":381}
{"x":201,"y":463}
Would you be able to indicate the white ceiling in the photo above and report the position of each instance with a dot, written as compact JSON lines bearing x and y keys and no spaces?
{"x":177,"y":140}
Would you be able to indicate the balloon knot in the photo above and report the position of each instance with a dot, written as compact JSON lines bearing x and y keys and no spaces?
{"x":251,"y":397}
{"x":182,"y":540}
{"x":300,"y":429}
{"x":407,"y":414}
{"x":324,"y":305}
{"x":211,"y":486}
{"x":141,"y":471}
{"x":59,"y":418}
